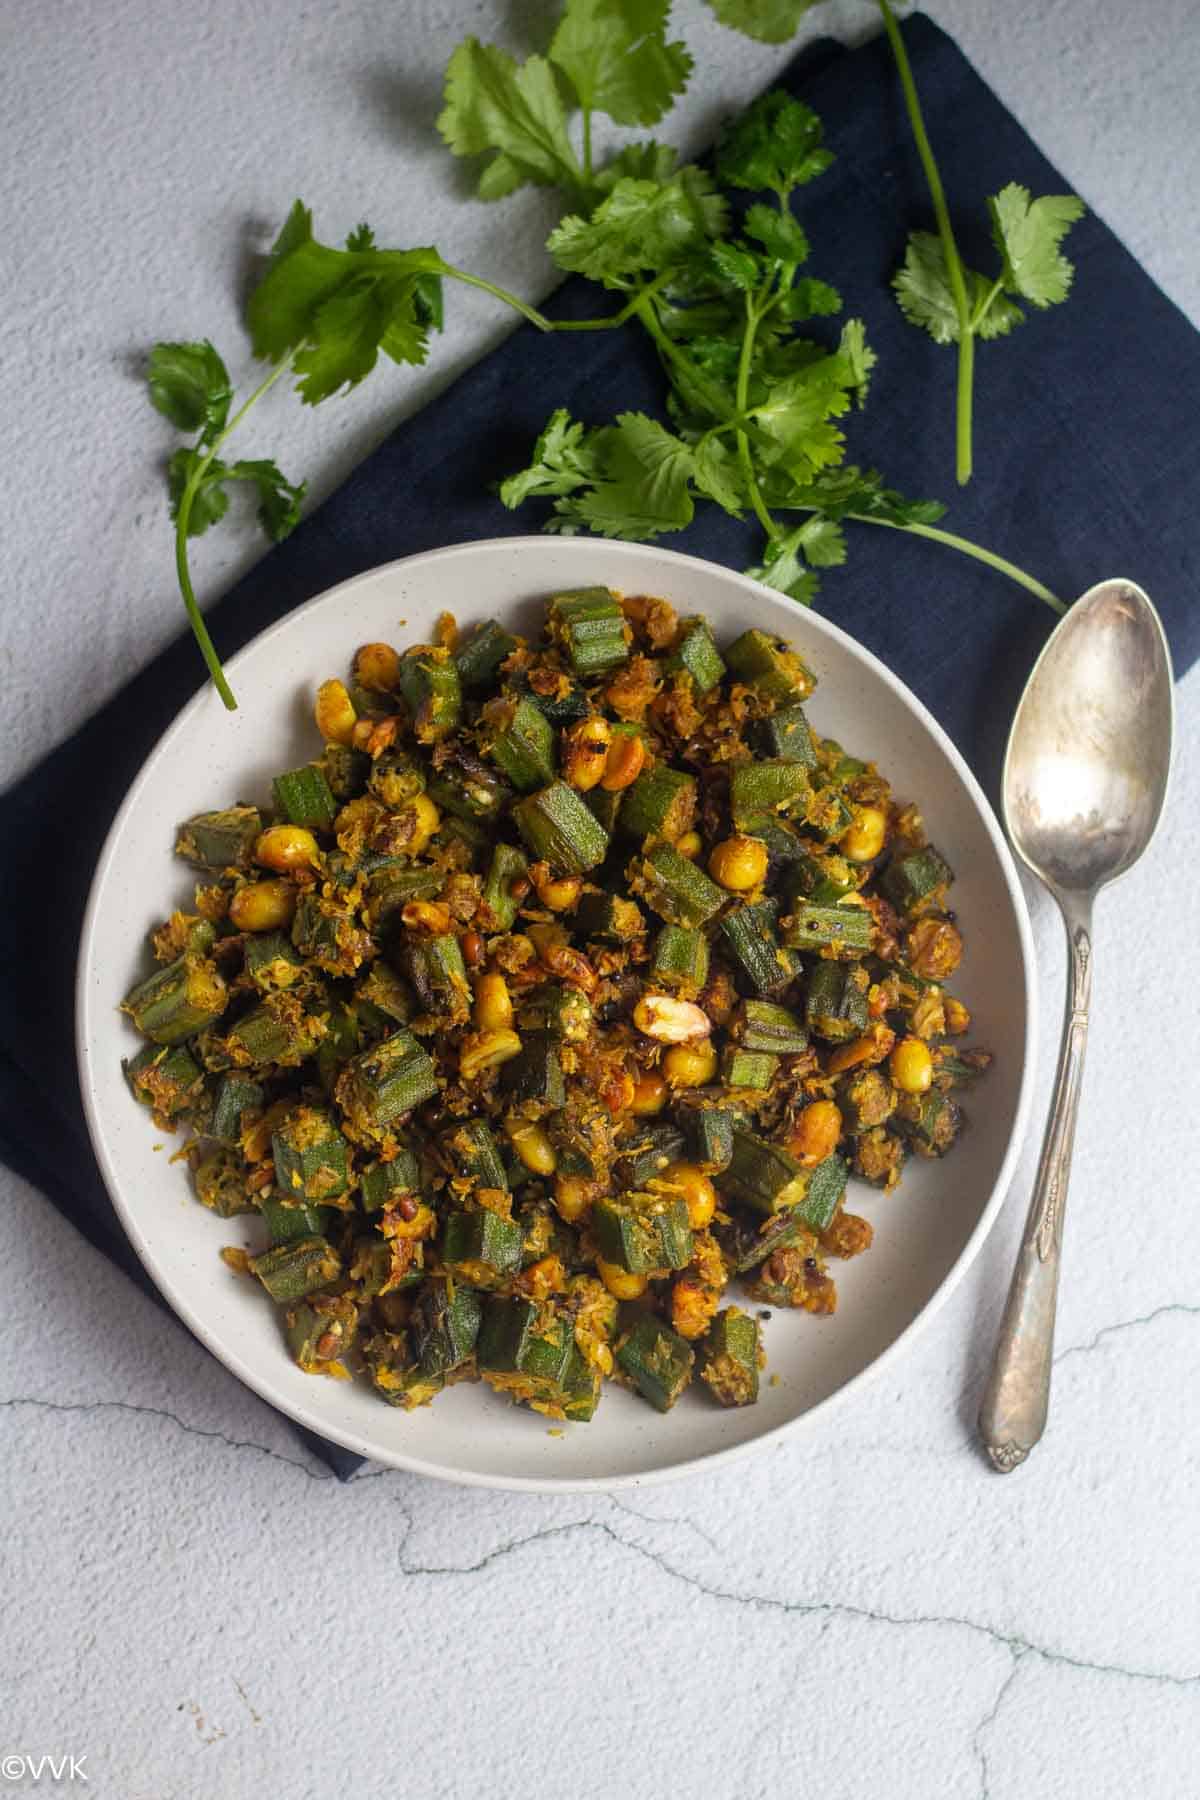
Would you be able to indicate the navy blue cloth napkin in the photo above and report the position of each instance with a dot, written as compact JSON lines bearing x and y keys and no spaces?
{"x":1088,"y":425}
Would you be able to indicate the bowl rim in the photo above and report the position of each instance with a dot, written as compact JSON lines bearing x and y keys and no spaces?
{"x":258,"y":1380}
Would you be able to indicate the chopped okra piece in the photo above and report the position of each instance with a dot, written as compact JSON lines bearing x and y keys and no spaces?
{"x":465,"y":787}
{"x":866,"y":1098}
{"x":761,"y":1025}
{"x":563,"y":1012}
{"x":235,"y":1095}
{"x":396,"y":778}
{"x":395,"y":1376}
{"x":708,"y":1135}
{"x":383,"y":1182}
{"x":534,"y":1079}
{"x":819,"y":880}
{"x":581,"y":1388}
{"x":508,"y":870}
{"x":609,"y":919}
{"x":605,"y":806}
{"x":730,"y":1357}
{"x":384,"y":1084}
{"x":287,"y":1221}
{"x":279,"y":1031}
{"x":166,"y":1078}
{"x":680,"y":961}
{"x":271,"y":961}
{"x":749,"y":932}
{"x":481,"y":1248}
{"x":293,"y":1271}
{"x":835,"y":1001}
{"x":220,"y":1182}
{"x":768,"y":665}
{"x":430,"y":688}
{"x":322,"y":1331}
{"x":177,"y":1001}
{"x":472,"y":1148}
{"x":389,"y":891}
{"x":835,"y":930}
{"x":788,"y":735}
{"x":220,"y":840}
{"x":751,"y":1069}
{"x":327,"y":935}
{"x":558,"y":698}
{"x":387,"y":1265}
{"x":561,"y":829}
{"x":677,"y":890}
{"x":520,"y":741}
{"x":826,"y":1187}
{"x":444,"y":1325}
{"x":828,"y":813}
{"x":660,"y":803}
{"x":656,"y":1361}
{"x":479,"y":659}
{"x":772,"y":787}
{"x":764,"y":1176}
{"x":526,"y":1349}
{"x":696,"y":654}
{"x":311,"y":1156}
{"x":648,"y":1152}
{"x":434,"y":966}
{"x":590,"y":627}
{"x":747,"y":1248}
{"x":345,"y":770}
{"x":304,"y":797}
{"x":917,"y":880}
{"x":643,"y":1232}
{"x":929,"y":1121}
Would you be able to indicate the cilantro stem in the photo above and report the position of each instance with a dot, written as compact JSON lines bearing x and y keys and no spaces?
{"x":741,"y":396}
{"x":498,"y":293}
{"x":981,"y":310}
{"x":1000,"y":563}
{"x":954,"y":268}
{"x":183,"y":517}
{"x":587,"y":145}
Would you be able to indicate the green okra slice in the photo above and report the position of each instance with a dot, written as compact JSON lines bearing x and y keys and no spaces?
{"x":390,"y":889}
{"x":345,"y":771}
{"x":526,"y":1349}
{"x":383,"y":1182}
{"x":166,"y":1078}
{"x":770,"y":666}
{"x":589,"y":627}
{"x":481,"y":1248}
{"x":396,"y":778}
{"x":509,"y":869}
{"x":304,"y":797}
{"x":293,"y":1271}
{"x":826,"y":1190}
{"x":608,"y":919}
{"x":235,"y":1095}
{"x":220,"y":1182}
{"x":643,"y":1233}
{"x":279,"y":1030}
{"x":730,"y":1357}
{"x":312,"y":1158}
{"x":828,"y":812}
{"x":558,"y":698}
{"x":560,"y":828}
{"x":696,"y":654}
{"x":833,"y":930}
{"x":656,"y":1361}
{"x":648,"y":1152}
{"x":435,"y":968}
{"x":177,"y":1001}
{"x":751,"y":1069}
{"x":581,"y":1388}
{"x":680,"y":961}
{"x":930,"y":1122}
{"x":534,"y":1079}
{"x":465,"y":787}
{"x":787,"y":734}
{"x":749,"y":932}
{"x":675,"y":888}
{"x":395,"y":1376}
{"x":430,"y":688}
{"x":774,"y":786}
{"x":220,"y":840}
{"x":835,"y":1001}
{"x":384,"y":1084}
{"x":917,"y":881}
{"x":660,"y":803}
{"x":564,"y":1013}
{"x":387,"y":1265}
{"x":327,"y":933}
{"x":605,"y":807}
{"x":474,"y":1153}
{"x":288,"y":1221}
{"x":271,"y":961}
{"x":866,"y":1098}
{"x":322,"y":1331}
{"x":764,"y":1176}
{"x":762,"y":1025}
{"x":819,"y":879}
{"x":519,"y":738}
{"x":708,"y":1135}
{"x":479,"y":659}
{"x":444,"y":1325}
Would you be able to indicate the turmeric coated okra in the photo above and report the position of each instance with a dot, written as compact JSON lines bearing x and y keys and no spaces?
{"x":568,"y":985}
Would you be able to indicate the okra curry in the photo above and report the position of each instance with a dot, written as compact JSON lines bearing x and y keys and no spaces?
{"x":566,"y":987}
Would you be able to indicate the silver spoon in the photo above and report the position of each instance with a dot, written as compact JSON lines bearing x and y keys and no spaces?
{"x":1085,"y":778}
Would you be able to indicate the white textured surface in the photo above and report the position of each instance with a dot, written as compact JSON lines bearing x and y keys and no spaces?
{"x":864,"y":1611}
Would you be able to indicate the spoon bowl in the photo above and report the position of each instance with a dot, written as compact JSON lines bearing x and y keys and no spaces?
{"x":1085,"y":782}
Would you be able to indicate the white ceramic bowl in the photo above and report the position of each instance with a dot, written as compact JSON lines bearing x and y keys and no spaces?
{"x":926,"y":1232}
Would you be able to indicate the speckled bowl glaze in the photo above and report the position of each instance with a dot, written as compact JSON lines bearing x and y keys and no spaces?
{"x":926,"y":1233}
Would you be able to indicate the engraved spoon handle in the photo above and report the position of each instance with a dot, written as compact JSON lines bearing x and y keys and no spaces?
{"x":1017,"y":1398}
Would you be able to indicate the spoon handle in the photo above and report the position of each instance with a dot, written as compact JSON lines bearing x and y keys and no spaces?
{"x":1013,"y":1415}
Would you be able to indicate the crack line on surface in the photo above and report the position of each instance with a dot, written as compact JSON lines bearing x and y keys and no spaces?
{"x":989,"y":1718}
{"x":161,"y":1412}
{"x":1159,"y":1312}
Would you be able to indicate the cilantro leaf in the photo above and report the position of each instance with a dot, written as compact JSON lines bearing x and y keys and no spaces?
{"x":783,"y":568}
{"x":279,"y":500}
{"x":794,"y":414}
{"x":210,"y":502}
{"x":641,"y":485}
{"x":1027,"y":233}
{"x":361,"y":238}
{"x":923,"y":288}
{"x":859,"y":357}
{"x":190,"y":385}
{"x":515,"y":111}
{"x":770,"y":21}
{"x":993,"y":313}
{"x":776,"y":143}
{"x":780,"y":235}
{"x":736,"y":265}
{"x":641,"y":225}
{"x":616,"y":57}
{"x":716,"y":473}
{"x":650,"y":161}
{"x":809,"y":299}
{"x":562,"y":461}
